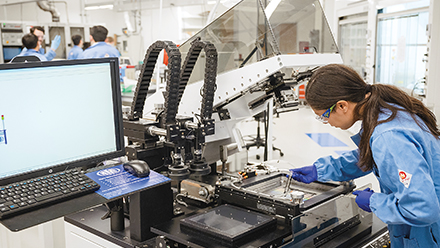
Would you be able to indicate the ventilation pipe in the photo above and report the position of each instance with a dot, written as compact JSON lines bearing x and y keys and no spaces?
{"x":48,"y":6}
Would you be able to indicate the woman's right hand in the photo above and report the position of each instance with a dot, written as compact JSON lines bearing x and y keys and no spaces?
{"x":306,"y":174}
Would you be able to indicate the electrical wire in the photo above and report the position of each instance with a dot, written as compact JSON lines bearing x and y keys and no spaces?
{"x":181,"y":202}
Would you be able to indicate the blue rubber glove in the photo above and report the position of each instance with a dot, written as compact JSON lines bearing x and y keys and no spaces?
{"x":305,"y":174}
{"x":363,"y":198}
{"x":55,"y":42}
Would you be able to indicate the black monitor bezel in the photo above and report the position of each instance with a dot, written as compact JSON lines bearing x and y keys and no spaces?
{"x":117,"y":110}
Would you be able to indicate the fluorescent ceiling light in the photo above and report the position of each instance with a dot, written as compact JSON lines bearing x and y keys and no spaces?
{"x":227,"y":2}
{"x":109,"y":6}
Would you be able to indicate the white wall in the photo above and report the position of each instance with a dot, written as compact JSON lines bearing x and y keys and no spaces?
{"x":152,"y":28}
{"x":433,"y":73}
{"x":112,"y":20}
{"x":153,"y":25}
{"x":31,"y":12}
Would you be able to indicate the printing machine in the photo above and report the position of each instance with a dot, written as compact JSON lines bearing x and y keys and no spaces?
{"x":244,"y":63}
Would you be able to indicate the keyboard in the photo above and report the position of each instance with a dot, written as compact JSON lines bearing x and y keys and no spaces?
{"x":35,"y":193}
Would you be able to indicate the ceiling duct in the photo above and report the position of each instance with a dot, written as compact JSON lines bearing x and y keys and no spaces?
{"x":48,"y":6}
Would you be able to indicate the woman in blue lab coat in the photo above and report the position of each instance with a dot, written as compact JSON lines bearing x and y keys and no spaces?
{"x":399,"y":142}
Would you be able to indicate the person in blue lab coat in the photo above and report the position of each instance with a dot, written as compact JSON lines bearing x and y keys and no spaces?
{"x":99,"y":49}
{"x":31,"y":43}
{"x":76,"y":50}
{"x":111,"y":41}
{"x":39,"y":32}
{"x":398,"y":142}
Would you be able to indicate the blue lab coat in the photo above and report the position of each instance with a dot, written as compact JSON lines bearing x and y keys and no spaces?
{"x":100,"y":50}
{"x":407,"y":157}
{"x":75,"y":52}
{"x":33,"y":52}
{"x":49,"y":55}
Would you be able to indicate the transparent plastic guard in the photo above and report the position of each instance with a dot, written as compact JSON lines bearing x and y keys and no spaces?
{"x":227,"y":223}
{"x":254,"y":30}
{"x":339,"y":214}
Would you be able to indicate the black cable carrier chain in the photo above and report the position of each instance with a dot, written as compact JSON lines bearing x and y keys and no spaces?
{"x":144,"y":80}
{"x":209,"y":85}
{"x":177,"y":79}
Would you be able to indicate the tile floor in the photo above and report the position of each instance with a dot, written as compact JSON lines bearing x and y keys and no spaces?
{"x":303,"y":139}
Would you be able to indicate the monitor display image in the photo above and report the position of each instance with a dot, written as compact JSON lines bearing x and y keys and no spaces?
{"x":10,"y":52}
{"x":58,"y":115}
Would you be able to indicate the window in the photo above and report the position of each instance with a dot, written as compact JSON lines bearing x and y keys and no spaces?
{"x":400,"y":48}
{"x":352,"y":45}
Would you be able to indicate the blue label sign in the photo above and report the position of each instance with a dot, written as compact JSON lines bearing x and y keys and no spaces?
{"x":116,"y":182}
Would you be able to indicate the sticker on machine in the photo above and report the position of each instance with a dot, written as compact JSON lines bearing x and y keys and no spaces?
{"x":405,"y":178}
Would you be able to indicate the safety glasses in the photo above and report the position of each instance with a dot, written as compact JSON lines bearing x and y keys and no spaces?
{"x":324,"y":117}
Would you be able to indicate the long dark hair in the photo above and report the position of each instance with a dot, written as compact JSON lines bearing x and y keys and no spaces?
{"x":332,"y":83}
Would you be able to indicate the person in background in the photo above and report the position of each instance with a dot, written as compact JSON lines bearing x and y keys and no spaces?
{"x":98,"y":48}
{"x":76,"y":50}
{"x":32,"y":45}
{"x":85,"y":45}
{"x":39,"y":32}
{"x":398,"y":142}
{"x":109,"y":40}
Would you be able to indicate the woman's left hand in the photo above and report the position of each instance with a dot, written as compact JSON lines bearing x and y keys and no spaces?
{"x":363,"y":198}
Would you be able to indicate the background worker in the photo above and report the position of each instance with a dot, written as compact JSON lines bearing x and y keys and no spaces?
{"x":76,"y":50}
{"x":39,"y":32}
{"x":85,"y":45}
{"x":109,"y":40}
{"x":399,"y":142}
{"x":31,"y":43}
{"x":98,"y":48}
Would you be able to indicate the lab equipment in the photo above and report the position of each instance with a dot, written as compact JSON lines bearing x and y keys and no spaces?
{"x":228,"y":224}
{"x":10,"y":52}
{"x":11,"y":34}
{"x":268,"y":194}
{"x":249,"y":63}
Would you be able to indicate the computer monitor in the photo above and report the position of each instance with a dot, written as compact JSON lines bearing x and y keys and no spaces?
{"x":58,"y":115}
{"x":10,"y":52}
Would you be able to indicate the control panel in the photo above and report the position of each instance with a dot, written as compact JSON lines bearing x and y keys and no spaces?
{"x":11,"y":39}
{"x":383,"y":241}
{"x":11,"y":45}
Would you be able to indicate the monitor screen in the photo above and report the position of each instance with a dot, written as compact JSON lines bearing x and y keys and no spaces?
{"x":58,"y":115}
{"x":10,"y":52}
